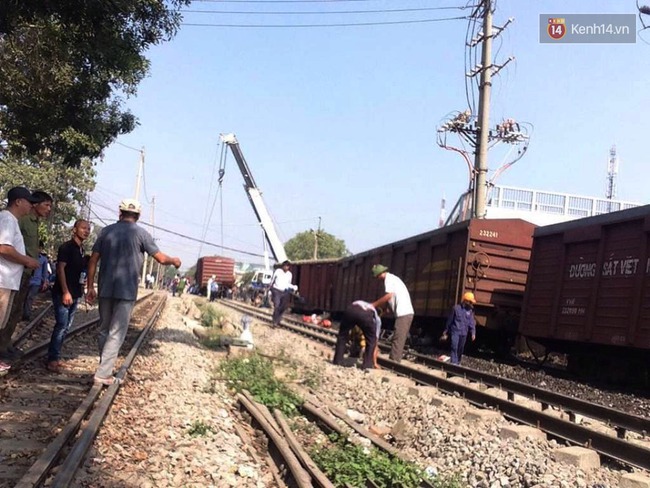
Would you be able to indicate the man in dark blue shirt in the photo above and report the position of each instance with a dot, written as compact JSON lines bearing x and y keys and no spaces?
{"x":68,"y":288}
{"x":460,"y":323}
{"x":119,"y":250}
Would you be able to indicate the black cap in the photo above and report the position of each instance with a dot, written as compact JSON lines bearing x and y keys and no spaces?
{"x":20,"y":192}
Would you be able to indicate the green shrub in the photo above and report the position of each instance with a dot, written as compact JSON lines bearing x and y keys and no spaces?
{"x":255,"y":374}
{"x":199,"y":429}
{"x":345,"y":463}
{"x":212,"y":317}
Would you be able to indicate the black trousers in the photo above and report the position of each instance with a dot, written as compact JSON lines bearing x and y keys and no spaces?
{"x":280,"y":304}
{"x":355,"y":315}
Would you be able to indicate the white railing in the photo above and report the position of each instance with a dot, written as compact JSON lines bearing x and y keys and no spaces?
{"x":563,"y":205}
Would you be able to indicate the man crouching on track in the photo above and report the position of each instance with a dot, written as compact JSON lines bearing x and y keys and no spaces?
{"x":399,"y":300}
{"x":365,"y":316}
{"x":120,"y":248}
{"x":68,"y":288}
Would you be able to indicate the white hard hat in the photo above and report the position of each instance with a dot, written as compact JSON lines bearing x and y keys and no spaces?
{"x":130,"y":205}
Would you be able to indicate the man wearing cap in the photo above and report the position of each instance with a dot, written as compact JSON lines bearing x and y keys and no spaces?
{"x":281,"y":289}
{"x":13,"y":260}
{"x":399,"y":300}
{"x":28,"y":224}
{"x":460,"y":322}
{"x":119,"y":250}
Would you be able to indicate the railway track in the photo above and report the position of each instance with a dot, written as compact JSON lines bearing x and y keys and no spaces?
{"x":623,"y":436}
{"x":49,"y":420}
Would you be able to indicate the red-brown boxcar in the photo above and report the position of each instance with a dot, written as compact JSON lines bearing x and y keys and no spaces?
{"x":588,"y":292}
{"x":488,"y":257}
{"x":221,"y":267}
{"x":315,"y":280}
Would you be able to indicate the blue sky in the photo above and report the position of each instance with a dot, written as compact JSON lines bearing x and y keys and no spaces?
{"x":341,"y":122}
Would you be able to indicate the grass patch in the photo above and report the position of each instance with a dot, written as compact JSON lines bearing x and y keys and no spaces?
{"x":256,"y":374}
{"x":212,"y":317}
{"x":199,"y":429}
{"x":345,"y":464}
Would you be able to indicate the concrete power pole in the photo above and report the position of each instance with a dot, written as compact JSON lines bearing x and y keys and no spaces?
{"x":138,"y":178}
{"x":316,"y":236}
{"x":481,"y":158}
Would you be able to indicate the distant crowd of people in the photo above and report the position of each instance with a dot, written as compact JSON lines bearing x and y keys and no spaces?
{"x":117,"y":257}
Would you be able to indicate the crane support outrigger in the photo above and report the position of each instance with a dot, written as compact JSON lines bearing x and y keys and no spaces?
{"x":255,"y":197}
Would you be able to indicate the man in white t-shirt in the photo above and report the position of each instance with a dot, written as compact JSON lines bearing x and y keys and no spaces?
{"x":399,"y":300}
{"x":12,"y":254}
{"x":281,"y":289}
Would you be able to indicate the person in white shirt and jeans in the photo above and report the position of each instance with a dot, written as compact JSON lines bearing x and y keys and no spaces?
{"x":12,"y":256}
{"x":281,"y":289}
{"x":399,"y":300}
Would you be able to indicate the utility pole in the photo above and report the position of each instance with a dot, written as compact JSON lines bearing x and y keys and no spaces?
{"x":474,"y":128}
{"x":146,"y":256}
{"x":481,"y":159}
{"x":316,"y":236}
{"x":138,"y":178}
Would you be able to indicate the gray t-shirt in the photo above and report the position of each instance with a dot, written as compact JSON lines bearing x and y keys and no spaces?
{"x":121,"y":247}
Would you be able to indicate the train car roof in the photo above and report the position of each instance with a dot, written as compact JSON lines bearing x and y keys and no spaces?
{"x":603,"y":219}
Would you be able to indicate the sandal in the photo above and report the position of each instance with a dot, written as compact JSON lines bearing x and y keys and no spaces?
{"x":111,"y":380}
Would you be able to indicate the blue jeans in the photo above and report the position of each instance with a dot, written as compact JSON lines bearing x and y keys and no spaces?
{"x":64,"y":317}
{"x":457,"y":347}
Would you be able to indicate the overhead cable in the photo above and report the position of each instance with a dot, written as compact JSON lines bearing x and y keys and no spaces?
{"x":321,"y":12}
{"x":355,"y":24}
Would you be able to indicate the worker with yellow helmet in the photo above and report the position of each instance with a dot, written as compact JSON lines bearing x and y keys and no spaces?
{"x":460,"y":323}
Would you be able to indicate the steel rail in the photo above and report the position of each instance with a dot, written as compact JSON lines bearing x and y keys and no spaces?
{"x":78,"y":452}
{"x":41,"y":348}
{"x":614,"y":447}
{"x":41,"y":468}
{"x":280,"y":451}
{"x":619,"y":420}
{"x":28,"y":328}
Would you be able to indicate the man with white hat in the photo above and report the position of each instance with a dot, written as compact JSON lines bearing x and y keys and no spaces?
{"x":398,"y":298}
{"x":119,"y":249}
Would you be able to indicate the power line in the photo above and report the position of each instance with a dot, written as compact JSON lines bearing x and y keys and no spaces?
{"x":284,"y":1}
{"x":185,"y":236}
{"x":355,"y":24}
{"x":306,"y":12}
{"x":128,"y":147}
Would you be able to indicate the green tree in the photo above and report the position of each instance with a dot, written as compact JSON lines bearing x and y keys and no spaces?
{"x":302,"y":245}
{"x":67,"y":185}
{"x":66,"y":67}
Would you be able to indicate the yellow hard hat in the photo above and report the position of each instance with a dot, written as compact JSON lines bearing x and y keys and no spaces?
{"x":468,"y":296}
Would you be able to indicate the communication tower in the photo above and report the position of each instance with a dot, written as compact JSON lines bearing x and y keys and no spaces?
{"x":612,"y":172}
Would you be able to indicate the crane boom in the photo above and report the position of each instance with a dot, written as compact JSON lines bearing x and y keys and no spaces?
{"x":255,"y":198}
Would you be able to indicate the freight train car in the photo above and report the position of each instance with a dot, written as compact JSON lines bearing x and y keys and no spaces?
{"x":487,"y":257}
{"x":222,"y":268}
{"x":588,"y":293}
{"x":315,"y":280}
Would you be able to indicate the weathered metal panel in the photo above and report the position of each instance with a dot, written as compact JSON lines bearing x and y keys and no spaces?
{"x":316,"y":280}
{"x":221,"y":267}
{"x":487,"y":257}
{"x":588,"y":281}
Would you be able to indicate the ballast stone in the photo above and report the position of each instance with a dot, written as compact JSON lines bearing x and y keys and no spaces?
{"x":577,"y":456}
{"x":634,"y":480}
{"x":475,"y":415}
{"x":521,"y":432}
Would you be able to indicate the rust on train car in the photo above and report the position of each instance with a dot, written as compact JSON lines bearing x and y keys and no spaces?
{"x":588,"y":282}
{"x":489,"y":257}
{"x":315,"y":280}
